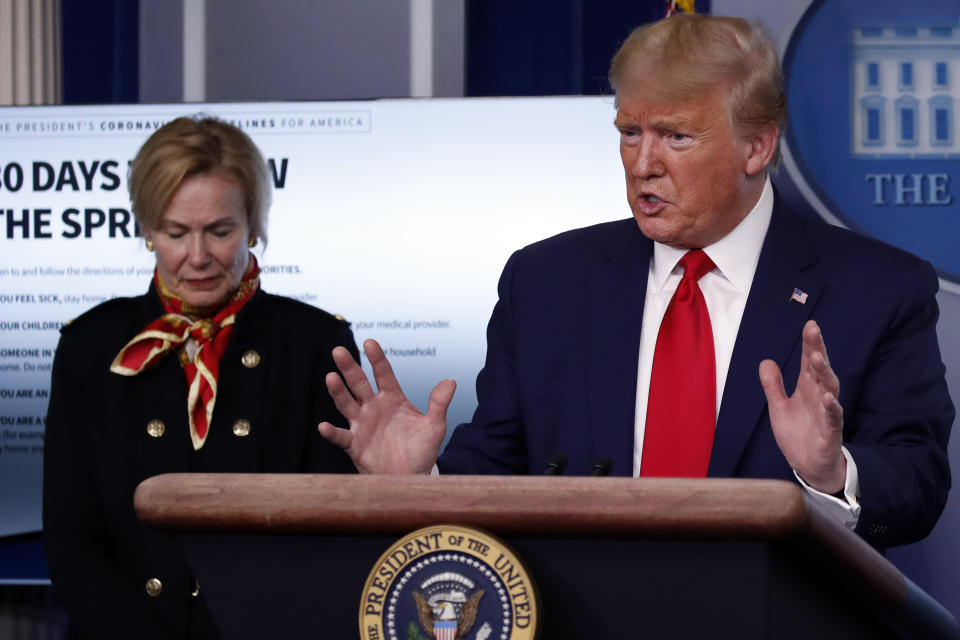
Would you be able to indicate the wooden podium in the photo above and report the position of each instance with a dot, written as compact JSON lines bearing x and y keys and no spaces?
{"x":286,"y":556}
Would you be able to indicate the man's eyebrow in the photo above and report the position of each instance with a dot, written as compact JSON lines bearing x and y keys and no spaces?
{"x":668,"y":122}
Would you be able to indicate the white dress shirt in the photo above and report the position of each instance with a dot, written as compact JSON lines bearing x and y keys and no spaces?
{"x":725,"y":290}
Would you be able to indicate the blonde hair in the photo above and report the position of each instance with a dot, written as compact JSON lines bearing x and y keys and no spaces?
{"x":687,"y":55}
{"x":190,"y":146}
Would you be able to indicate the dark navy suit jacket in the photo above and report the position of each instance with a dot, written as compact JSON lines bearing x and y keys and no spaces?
{"x":561,"y":370}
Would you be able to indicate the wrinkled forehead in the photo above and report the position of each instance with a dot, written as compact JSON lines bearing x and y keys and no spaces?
{"x":651,"y":101}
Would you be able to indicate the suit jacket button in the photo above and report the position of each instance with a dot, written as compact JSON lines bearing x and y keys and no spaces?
{"x":156,"y":428}
{"x":153,"y":587}
{"x":250,"y":359}
{"x":241,"y":428}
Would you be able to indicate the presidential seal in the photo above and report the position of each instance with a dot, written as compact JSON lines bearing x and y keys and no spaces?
{"x":448,"y":583}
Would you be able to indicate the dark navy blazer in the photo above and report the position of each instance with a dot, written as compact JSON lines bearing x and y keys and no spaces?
{"x":98,"y":449}
{"x":561,"y":368}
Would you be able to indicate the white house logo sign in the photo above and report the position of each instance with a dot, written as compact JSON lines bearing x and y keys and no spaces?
{"x":872,"y":143}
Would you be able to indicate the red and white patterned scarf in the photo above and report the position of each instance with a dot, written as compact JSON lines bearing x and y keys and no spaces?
{"x":201,"y":341}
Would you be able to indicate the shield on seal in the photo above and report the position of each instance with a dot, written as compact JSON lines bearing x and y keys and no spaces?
{"x":445,"y":630}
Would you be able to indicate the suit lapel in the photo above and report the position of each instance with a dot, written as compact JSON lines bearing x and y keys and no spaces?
{"x":614,"y":312}
{"x":770,"y":328}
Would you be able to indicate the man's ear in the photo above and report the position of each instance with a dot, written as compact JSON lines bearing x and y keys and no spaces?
{"x":762,"y":146}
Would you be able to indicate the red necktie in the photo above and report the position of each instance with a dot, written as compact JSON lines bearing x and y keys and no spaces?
{"x":681,"y":409}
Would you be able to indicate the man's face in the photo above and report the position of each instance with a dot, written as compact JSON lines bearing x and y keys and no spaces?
{"x":690,"y":177}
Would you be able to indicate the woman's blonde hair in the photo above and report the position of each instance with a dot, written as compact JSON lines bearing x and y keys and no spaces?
{"x":190,"y":146}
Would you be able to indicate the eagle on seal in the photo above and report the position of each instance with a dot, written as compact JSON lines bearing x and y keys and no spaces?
{"x":444,"y":611}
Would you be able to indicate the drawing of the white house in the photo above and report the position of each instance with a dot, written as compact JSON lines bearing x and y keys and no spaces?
{"x":906,"y":91}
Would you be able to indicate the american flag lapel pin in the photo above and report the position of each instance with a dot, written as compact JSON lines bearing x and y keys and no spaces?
{"x":799,"y":296}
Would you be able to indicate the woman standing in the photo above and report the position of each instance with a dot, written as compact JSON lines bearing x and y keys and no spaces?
{"x":204,"y":373}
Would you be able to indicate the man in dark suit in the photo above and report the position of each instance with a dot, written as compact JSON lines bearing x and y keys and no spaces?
{"x":589,"y":349}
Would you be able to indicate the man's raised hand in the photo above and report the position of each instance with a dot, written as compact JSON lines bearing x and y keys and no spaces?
{"x":387,"y":433}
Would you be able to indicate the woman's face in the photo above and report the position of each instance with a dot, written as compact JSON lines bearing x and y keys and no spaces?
{"x":202,"y":240}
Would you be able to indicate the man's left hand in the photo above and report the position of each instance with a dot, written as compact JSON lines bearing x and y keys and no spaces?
{"x":808,"y":425}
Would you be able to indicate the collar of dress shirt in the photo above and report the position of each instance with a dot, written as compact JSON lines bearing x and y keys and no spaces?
{"x":736,"y":254}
